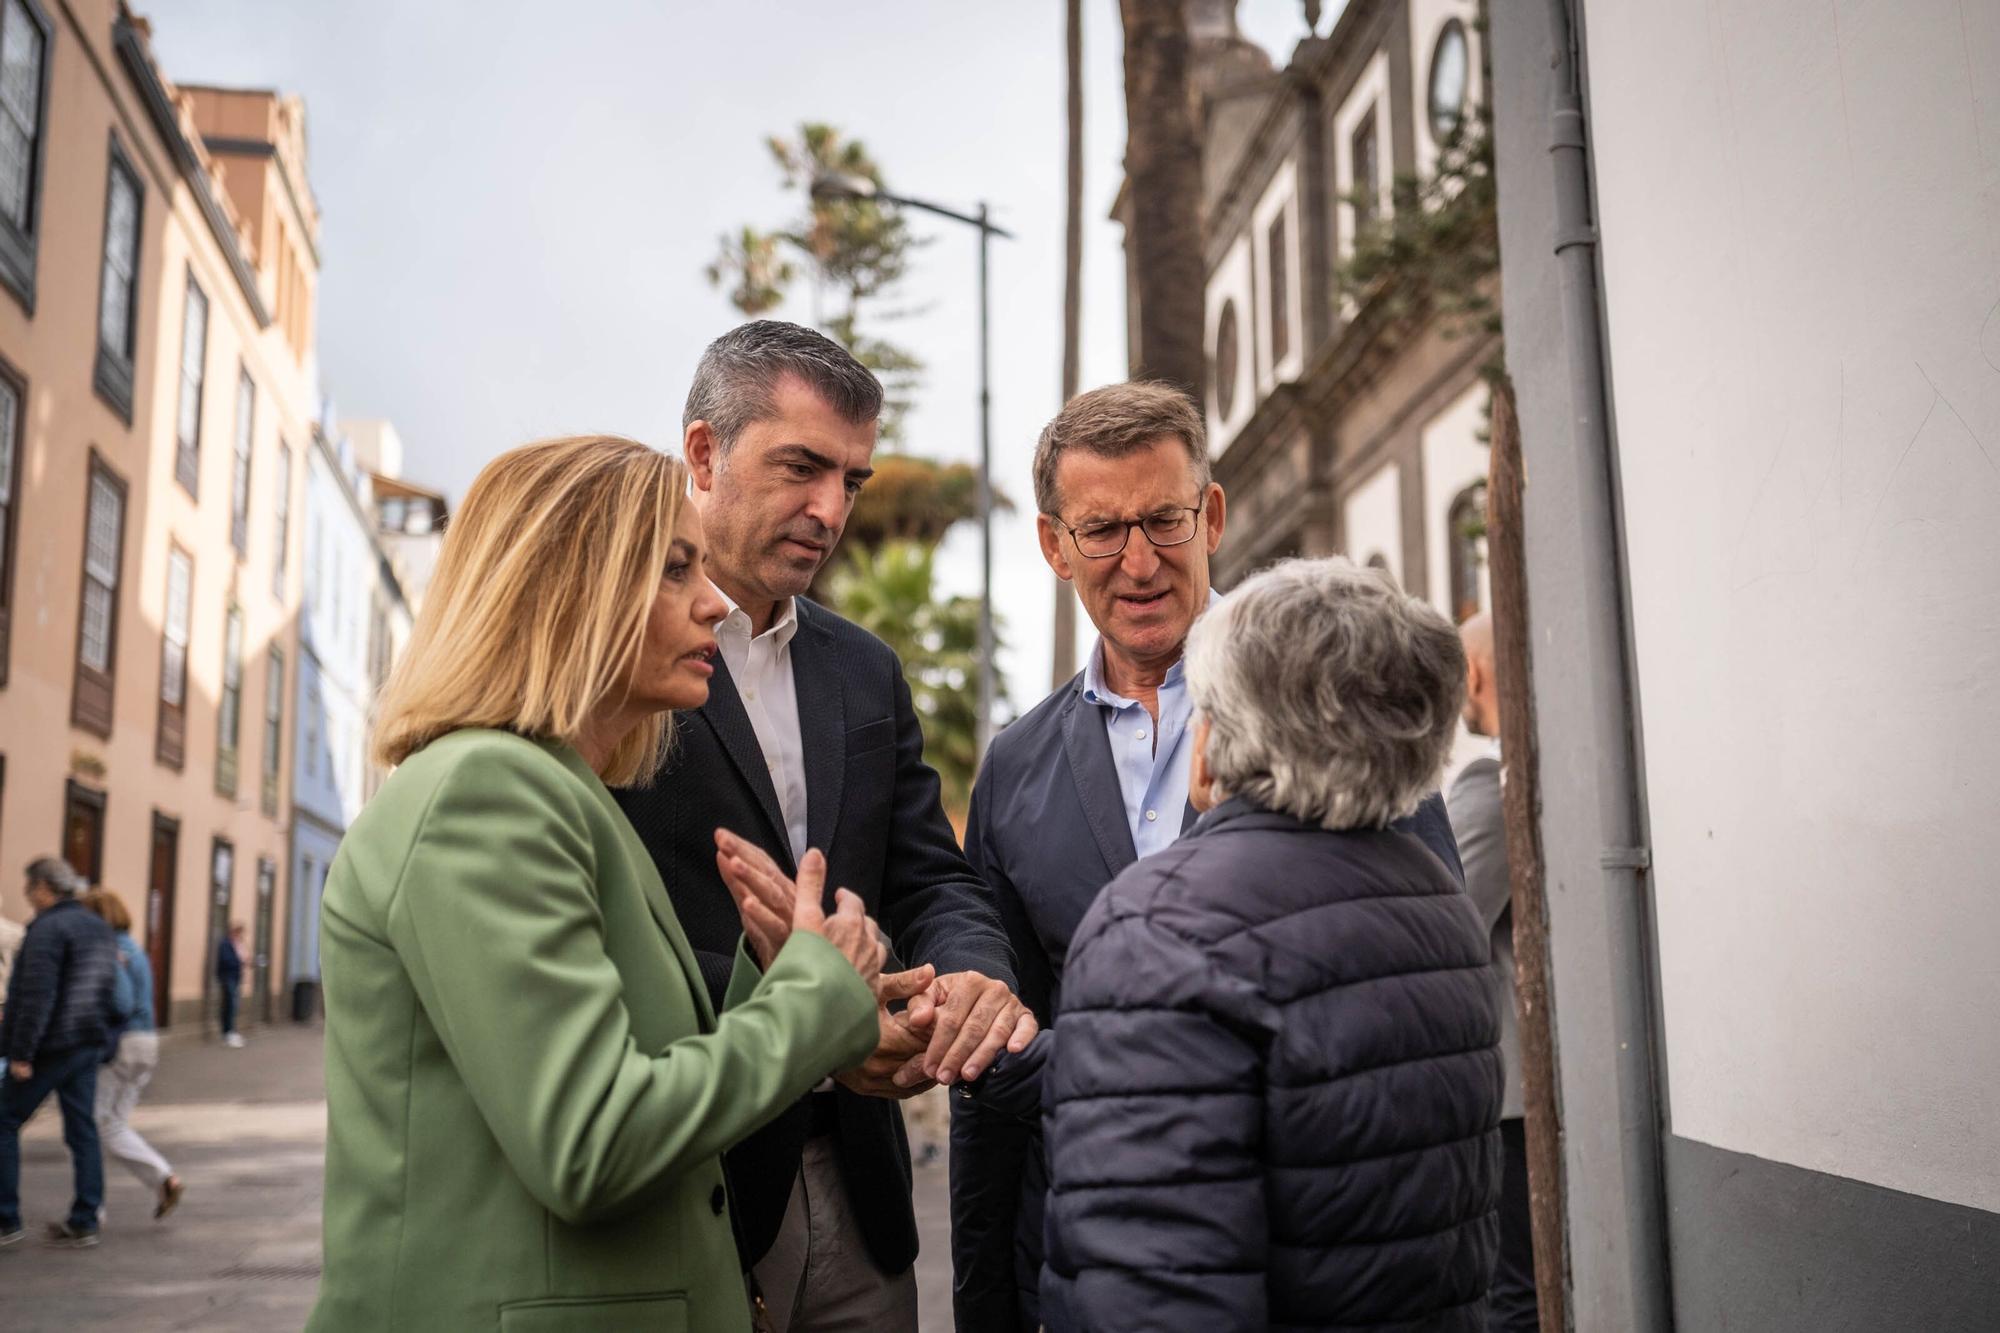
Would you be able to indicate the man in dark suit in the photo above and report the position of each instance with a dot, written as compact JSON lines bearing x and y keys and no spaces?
{"x":809,"y":740}
{"x":1090,"y":780}
{"x":1475,"y":805}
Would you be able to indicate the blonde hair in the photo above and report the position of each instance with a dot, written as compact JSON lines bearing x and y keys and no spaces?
{"x":536,"y":614}
{"x":110,"y":907}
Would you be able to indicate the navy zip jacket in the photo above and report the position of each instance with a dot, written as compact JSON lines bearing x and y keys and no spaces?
{"x":1047,"y":831}
{"x":59,"y":996}
{"x":1276,"y":1095}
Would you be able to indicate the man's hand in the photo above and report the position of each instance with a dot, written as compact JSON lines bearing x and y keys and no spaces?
{"x":21,"y":1070}
{"x":902,"y":1039}
{"x":974,"y":1016}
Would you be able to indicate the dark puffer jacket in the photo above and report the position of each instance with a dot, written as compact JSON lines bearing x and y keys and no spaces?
{"x":1275,"y":1098}
{"x":59,"y":996}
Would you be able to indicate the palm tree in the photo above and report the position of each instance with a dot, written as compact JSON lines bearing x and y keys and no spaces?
{"x":751,"y":267}
{"x":1063,"y":661}
{"x":888,"y":591}
{"x":1163,"y":170}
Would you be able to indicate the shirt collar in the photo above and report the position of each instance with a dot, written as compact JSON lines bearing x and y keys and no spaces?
{"x":737,"y":622}
{"x":1095,"y":691}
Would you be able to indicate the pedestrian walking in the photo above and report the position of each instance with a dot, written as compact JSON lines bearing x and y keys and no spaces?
{"x":229,"y":980}
{"x":135,"y":1054}
{"x":1088,"y":781}
{"x":53,"y":1035}
{"x":528,"y":1090}
{"x":1476,"y":815}
{"x":1274,"y":1096}
{"x":11,"y":933}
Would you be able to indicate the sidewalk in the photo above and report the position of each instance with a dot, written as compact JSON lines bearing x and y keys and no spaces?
{"x":247,"y":1130}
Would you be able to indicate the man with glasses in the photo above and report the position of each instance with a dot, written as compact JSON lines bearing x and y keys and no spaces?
{"x":1090,"y":780}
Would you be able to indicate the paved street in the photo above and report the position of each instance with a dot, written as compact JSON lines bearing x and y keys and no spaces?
{"x":246,"y":1130}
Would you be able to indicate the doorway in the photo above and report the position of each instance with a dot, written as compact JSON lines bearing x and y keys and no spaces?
{"x":83,"y":830}
{"x":162,"y":872}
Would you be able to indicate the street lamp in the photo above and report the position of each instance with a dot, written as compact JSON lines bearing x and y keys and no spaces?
{"x":846,"y":186}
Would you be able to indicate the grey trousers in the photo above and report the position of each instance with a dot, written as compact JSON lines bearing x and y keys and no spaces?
{"x":118,"y":1087}
{"x":817,"y":1277}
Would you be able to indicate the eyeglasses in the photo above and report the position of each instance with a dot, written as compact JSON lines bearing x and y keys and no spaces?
{"x":1104,"y":539}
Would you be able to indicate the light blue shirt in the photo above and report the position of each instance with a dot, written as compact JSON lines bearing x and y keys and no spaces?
{"x":1152,"y":760}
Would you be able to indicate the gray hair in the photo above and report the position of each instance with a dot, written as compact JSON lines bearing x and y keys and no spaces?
{"x":54,"y":874}
{"x":1330,"y":694}
{"x":1114,"y":421}
{"x":738,"y":374}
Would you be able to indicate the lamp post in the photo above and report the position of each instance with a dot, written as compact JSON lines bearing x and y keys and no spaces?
{"x":841,"y":185}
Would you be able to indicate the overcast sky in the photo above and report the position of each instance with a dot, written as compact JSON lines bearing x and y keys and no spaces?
{"x":519,"y":199}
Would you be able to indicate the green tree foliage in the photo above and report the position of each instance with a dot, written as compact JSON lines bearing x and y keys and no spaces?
{"x":855,"y":251}
{"x":1439,"y":248}
{"x":889,"y":591}
{"x":755,"y":271}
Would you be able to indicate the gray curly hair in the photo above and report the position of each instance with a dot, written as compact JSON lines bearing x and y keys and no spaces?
{"x":1330,"y":694}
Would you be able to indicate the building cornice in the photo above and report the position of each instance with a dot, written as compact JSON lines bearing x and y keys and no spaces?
{"x":132,"y":53}
{"x":216,"y":143}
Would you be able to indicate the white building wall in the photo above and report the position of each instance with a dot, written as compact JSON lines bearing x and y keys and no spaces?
{"x":1802,"y":277}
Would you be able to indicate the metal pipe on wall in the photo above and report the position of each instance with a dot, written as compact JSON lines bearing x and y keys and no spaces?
{"x":1624,"y":859}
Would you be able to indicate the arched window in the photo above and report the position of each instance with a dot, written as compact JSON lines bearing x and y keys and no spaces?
{"x":1465,"y":539}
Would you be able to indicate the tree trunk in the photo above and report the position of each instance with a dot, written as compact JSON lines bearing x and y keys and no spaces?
{"x":1063,"y":663}
{"x":1521,"y":804}
{"x":1163,"y":171}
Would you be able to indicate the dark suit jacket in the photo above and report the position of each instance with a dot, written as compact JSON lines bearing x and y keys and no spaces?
{"x":872,"y":807}
{"x":1047,"y":831}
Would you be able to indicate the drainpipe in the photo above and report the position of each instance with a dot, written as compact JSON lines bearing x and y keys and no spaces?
{"x":1625,"y":858}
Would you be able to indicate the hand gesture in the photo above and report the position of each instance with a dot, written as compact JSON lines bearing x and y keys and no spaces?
{"x":772,"y":907}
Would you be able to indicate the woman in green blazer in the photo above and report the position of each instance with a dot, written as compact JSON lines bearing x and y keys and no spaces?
{"x":527,"y":1090}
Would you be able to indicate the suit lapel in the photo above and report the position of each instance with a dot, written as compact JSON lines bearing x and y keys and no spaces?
{"x":1097,"y":788}
{"x":725,"y":716}
{"x":822,"y":725}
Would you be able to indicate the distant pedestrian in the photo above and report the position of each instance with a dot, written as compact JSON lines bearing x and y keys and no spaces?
{"x":58,"y":1005}
{"x":1474,"y":802}
{"x":1274,"y":1095}
{"x":229,"y":980}
{"x":135,"y":1053}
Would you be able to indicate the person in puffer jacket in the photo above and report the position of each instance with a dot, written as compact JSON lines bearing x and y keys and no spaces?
{"x":1275,"y":1098}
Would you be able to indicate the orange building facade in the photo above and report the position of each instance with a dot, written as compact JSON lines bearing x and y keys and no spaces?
{"x":158,"y":271}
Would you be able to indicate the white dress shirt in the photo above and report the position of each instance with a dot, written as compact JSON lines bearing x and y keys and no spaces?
{"x":761,"y":667}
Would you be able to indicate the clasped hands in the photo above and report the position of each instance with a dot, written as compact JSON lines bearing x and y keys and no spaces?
{"x":950,"y":1028}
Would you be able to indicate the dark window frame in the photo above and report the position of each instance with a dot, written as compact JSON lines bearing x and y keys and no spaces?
{"x":281,"y":521}
{"x":187,"y":453}
{"x":76,"y":794}
{"x":115,"y":370}
{"x":1278,"y":277}
{"x":86,"y":711}
{"x":242,"y":454}
{"x":170,"y":733}
{"x":229,"y":709}
{"x":1368,"y":214}
{"x":10,"y":511}
{"x":274,"y":725}
{"x":20,"y":246}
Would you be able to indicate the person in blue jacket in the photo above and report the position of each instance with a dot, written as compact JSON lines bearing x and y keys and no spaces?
{"x":134,"y":1053}
{"x":229,"y":980}
{"x":1274,"y":1099}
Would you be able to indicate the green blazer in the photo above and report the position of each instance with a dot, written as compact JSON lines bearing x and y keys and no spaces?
{"x":528,"y":1091}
